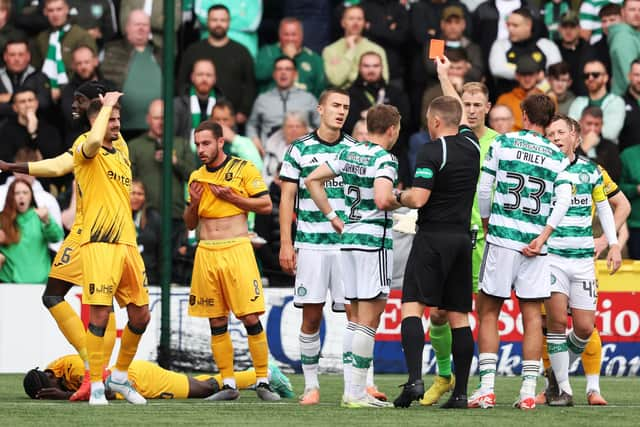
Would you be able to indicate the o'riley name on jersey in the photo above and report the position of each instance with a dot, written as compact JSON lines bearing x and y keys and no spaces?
{"x":303,"y":157}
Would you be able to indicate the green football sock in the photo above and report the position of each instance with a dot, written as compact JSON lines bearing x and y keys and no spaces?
{"x":441,"y":343}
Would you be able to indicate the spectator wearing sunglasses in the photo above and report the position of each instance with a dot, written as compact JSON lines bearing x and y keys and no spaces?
{"x":595,"y":77}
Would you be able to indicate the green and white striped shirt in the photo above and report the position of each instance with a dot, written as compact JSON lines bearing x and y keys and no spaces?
{"x":589,"y":19}
{"x":367,"y":227}
{"x":574,"y":237}
{"x":526,"y":168}
{"x":314,"y":231}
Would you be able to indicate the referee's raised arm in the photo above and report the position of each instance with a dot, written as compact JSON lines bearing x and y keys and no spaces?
{"x":442,"y":65}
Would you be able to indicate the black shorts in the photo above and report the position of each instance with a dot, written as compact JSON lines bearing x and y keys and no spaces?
{"x":438,"y":272}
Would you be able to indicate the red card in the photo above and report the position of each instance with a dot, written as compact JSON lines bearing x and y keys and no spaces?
{"x":436,"y":48}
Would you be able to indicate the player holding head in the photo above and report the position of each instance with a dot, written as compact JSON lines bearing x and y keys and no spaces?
{"x":66,"y":269}
{"x":526,"y":170}
{"x":571,"y":249}
{"x":475,"y":101}
{"x":111,"y":263}
{"x":369,"y":173}
{"x":225,"y":273}
{"x":316,"y":258}
{"x":438,"y":272}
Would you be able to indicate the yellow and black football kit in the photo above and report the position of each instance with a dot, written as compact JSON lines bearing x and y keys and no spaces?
{"x":111,"y":263}
{"x":225,"y":274}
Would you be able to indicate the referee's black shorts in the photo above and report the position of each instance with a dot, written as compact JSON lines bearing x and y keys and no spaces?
{"x":438,"y":272}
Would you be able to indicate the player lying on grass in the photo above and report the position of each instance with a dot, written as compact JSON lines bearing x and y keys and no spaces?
{"x":62,"y":377}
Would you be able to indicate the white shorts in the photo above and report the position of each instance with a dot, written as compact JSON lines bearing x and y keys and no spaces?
{"x":576,"y":278}
{"x":367,"y":275}
{"x":316,"y":273}
{"x":504,"y":269}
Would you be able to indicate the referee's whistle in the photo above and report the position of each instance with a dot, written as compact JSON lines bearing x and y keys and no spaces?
{"x":474,"y":235}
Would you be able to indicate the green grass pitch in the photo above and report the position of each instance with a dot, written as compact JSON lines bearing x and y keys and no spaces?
{"x":623,"y":395}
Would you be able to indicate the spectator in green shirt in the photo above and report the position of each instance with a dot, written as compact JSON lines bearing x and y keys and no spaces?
{"x":308,"y":63}
{"x":25,"y":231}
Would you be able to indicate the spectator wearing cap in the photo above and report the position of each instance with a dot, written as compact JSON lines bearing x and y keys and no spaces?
{"x":574,"y":49}
{"x":521,"y":42}
{"x":452,"y":27}
{"x":552,"y":12}
{"x":630,"y":133}
{"x":54,"y":45}
{"x":560,"y":80}
{"x":341,"y":58}
{"x":528,"y":74}
{"x":308,"y":63}
{"x":624,"y":45}
{"x":596,"y":77}
{"x":85,"y":69}
{"x":270,"y":107}
{"x":16,"y":73}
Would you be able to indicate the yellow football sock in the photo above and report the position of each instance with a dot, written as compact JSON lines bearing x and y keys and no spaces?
{"x":245,"y":379}
{"x":71,"y":327}
{"x":109,"y":338}
{"x":592,"y":356}
{"x":259,"y":353}
{"x":545,"y":353}
{"x":222,"y":349}
{"x":128,"y":347}
{"x":95,"y":348}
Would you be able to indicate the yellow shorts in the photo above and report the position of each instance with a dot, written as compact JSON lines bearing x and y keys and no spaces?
{"x":225,"y":278}
{"x":113,"y":270}
{"x":67,"y":265}
{"x":154,"y":382}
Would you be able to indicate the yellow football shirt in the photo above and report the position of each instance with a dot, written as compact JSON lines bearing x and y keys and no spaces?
{"x":238,"y":174}
{"x":70,"y":370}
{"x":608,"y":189}
{"x":103,"y":184}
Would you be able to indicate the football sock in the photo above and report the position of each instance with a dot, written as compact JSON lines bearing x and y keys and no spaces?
{"x":95,"y":350}
{"x":71,"y":327}
{"x":487,"y":363}
{"x":462,"y":348}
{"x":593,"y":383}
{"x":244,"y":379}
{"x":347,"y":343}
{"x":440,"y":336}
{"x":109,"y":339}
{"x":128,"y":346}
{"x":309,"y":356}
{"x":413,"y":344}
{"x":362,"y":355}
{"x":530,"y":370}
{"x":222,"y":350}
{"x":559,"y":357}
{"x":592,"y":354}
{"x":370,"y":382}
{"x":259,"y":349}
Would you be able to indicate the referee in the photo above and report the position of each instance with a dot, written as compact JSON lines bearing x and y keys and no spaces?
{"x":438,"y":272}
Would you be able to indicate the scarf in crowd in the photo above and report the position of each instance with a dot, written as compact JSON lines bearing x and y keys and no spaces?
{"x":53,"y":66}
{"x":196,"y":113}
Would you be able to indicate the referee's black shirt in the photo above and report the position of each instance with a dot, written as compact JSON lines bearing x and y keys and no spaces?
{"x":449,"y":167}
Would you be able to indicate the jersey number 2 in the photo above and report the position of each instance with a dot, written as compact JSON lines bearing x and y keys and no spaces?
{"x":352,"y":189}
{"x":516,"y":191}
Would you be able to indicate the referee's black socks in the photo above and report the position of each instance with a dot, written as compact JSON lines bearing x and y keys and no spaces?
{"x":462,"y":350}
{"x":413,"y":345}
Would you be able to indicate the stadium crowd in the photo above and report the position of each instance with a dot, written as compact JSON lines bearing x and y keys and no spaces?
{"x":258,"y":67}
